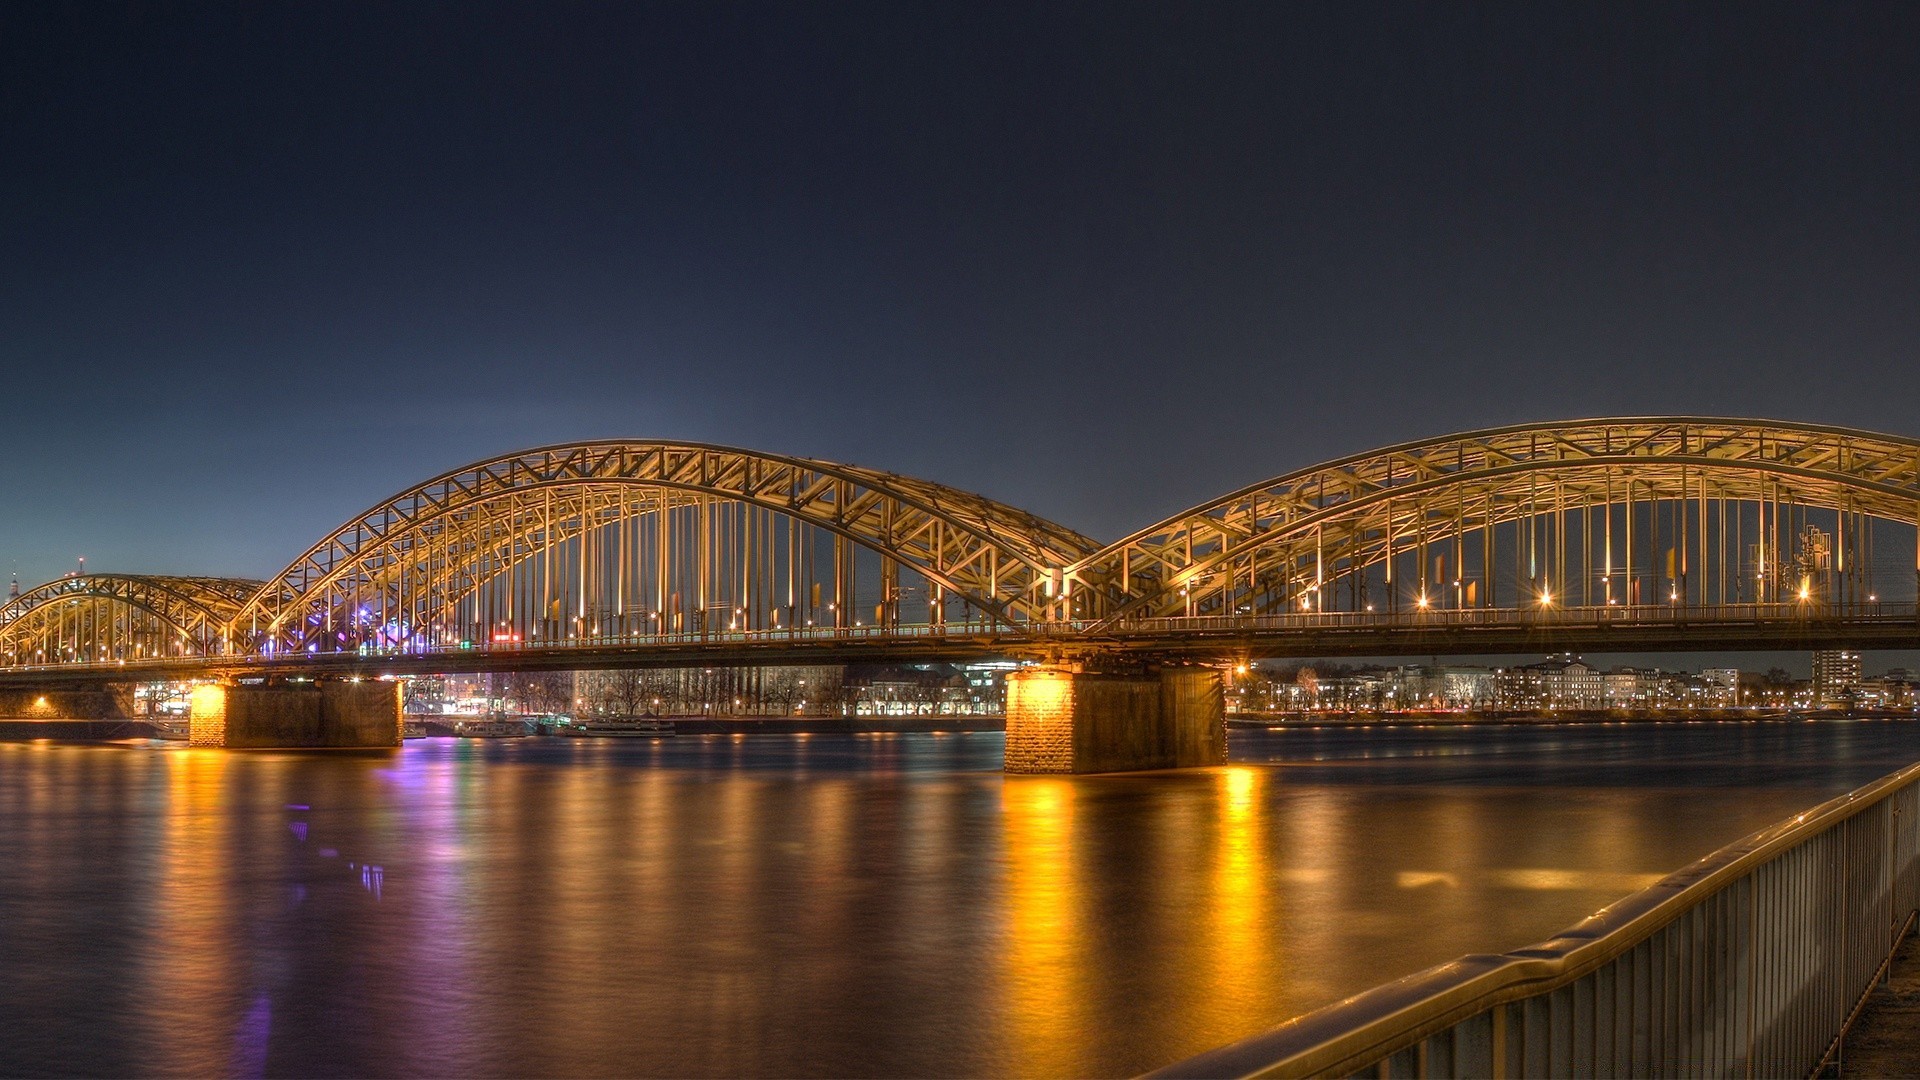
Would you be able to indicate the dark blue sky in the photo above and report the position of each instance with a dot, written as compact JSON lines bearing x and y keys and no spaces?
{"x":261,"y":266}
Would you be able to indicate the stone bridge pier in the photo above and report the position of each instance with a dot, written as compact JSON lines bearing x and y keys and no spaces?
{"x":1065,"y":719}
{"x":343,"y":714}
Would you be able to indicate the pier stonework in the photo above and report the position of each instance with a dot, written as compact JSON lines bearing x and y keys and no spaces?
{"x":330,"y":714}
{"x":1065,"y":721}
{"x":112,"y":702}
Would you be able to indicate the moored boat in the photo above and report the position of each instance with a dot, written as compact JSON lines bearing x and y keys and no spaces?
{"x":622,"y":727}
{"x":491,"y":729}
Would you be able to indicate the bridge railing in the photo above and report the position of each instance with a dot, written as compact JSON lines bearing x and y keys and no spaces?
{"x":1068,"y":631}
{"x":1543,"y":616}
{"x":1615,"y":615}
{"x":1752,"y":961}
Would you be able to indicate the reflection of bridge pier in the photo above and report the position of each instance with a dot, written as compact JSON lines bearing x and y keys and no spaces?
{"x":1069,"y":719}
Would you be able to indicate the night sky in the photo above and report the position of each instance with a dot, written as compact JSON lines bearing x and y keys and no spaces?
{"x":263,"y":265}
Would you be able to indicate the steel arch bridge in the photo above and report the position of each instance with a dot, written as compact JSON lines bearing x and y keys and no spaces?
{"x":558,"y":540}
{"x":113,"y":618}
{"x":1652,"y":532}
{"x":1564,"y":498}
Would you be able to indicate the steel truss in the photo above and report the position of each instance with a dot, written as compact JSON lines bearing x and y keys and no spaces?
{"x":611,"y":547}
{"x":115,"y":617}
{"x":475,"y":547}
{"x":1305,"y":540}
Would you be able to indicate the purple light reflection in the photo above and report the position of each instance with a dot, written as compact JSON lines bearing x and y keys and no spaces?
{"x":251,"y":1038}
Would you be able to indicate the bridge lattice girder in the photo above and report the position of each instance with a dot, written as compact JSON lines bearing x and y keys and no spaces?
{"x":450,"y":537}
{"x":1346,"y":514}
{"x":444,"y":538}
{"x":195,"y":611}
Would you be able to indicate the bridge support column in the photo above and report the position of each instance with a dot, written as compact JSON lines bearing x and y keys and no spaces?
{"x":1065,"y":721}
{"x":331,"y":714}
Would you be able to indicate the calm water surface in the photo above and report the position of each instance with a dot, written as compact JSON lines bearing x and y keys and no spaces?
{"x":824,"y":905}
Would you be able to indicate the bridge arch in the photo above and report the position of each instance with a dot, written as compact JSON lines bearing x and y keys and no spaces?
{"x":628,"y":537}
{"x":95,"y":617}
{"x":1708,"y":510}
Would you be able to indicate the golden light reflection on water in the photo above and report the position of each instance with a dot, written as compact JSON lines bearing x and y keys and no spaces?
{"x":1045,"y":939}
{"x":713,"y":908}
{"x":192,"y":963}
{"x":1559,"y":878}
{"x":1239,"y":915}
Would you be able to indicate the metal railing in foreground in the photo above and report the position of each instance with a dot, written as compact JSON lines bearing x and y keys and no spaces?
{"x":1751,"y":962}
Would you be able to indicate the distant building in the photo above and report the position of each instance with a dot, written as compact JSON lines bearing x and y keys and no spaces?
{"x":1836,"y":676}
{"x":912,"y":689}
{"x":1899,"y":686}
{"x":1630,"y":688}
{"x":1560,"y":682}
{"x":1452,"y":687}
{"x":1722,"y":686}
{"x":1467,"y":687}
{"x":987,"y":685}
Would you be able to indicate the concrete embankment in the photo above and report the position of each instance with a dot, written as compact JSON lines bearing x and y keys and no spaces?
{"x":1558,"y":716}
{"x":111,"y":704}
{"x":17,"y":729}
{"x":81,"y":715}
{"x":834,"y":725}
{"x":810,"y":725}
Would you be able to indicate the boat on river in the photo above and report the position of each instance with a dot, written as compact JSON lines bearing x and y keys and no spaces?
{"x":492,"y":729}
{"x":622,"y":727}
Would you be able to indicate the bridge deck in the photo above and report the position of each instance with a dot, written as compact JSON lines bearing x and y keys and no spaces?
{"x":1425,"y":633}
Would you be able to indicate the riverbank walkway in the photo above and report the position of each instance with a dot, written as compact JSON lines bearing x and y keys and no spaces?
{"x":1885,"y":1041}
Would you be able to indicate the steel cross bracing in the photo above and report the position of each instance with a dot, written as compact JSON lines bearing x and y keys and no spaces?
{"x":622,"y":548}
{"x":441,"y":540}
{"x":1270,"y":543}
{"x":167,"y":615}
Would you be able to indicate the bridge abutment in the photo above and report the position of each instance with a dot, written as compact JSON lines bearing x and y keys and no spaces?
{"x":328,"y":714}
{"x":113,"y":702}
{"x":1065,"y":721}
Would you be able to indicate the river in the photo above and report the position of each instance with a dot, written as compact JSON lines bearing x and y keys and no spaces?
{"x":827,"y":905}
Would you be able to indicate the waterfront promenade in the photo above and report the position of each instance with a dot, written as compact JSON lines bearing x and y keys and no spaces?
{"x":1885,"y":1041}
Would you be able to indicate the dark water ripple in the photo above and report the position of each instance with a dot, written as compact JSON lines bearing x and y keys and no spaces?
{"x":815,"y":906}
